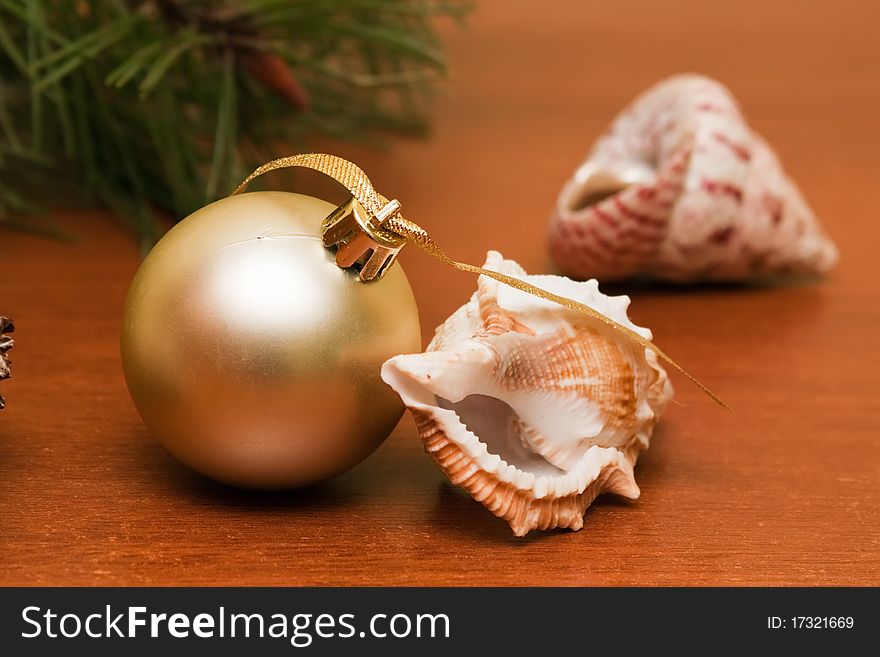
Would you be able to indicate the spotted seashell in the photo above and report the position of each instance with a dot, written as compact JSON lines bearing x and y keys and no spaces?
{"x":680,"y":188}
{"x":530,"y":407}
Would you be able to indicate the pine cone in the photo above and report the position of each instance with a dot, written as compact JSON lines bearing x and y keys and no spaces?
{"x":273,"y":72}
{"x":5,"y":345}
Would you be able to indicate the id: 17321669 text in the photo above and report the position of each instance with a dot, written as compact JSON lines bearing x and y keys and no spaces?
{"x":810,"y":623}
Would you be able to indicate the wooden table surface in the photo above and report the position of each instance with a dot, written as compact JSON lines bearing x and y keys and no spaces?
{"x":782,"y":491}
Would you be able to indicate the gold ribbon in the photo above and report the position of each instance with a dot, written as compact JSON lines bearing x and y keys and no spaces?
{"x":353,"y":178}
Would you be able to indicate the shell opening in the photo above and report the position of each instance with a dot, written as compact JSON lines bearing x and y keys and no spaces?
{"x":591,"y":193}
{"x":497,"y":425}
{"x":592,"y":185}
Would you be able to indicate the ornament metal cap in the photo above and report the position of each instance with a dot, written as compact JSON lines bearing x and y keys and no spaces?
{"x":360,"y":240}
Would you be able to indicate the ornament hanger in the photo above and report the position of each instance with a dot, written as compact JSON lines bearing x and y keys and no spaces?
{"x":369,"y":231}
{"x":360,"y":240}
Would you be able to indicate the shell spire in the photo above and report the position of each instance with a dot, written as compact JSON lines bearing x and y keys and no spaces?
{"x":527,"y":406}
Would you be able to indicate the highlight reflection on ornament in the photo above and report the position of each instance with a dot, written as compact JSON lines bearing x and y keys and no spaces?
{"x":257,"y":289}
{"x":681,"y":188}
{"x":252,"y":356}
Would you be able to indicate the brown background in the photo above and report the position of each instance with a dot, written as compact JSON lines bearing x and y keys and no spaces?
{"x":783,"y":491}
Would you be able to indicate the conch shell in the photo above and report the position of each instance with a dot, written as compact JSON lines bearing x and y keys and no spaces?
{"x":530,"y":407}
{"x":680,"y":188}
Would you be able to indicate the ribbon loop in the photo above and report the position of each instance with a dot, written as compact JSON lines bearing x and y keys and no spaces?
{"x":392,"y":226}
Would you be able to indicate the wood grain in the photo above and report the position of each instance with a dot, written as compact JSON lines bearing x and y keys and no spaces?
{"x":785,"y":490}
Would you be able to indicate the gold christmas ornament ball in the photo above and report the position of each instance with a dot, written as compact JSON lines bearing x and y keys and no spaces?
{"x":254,"y":358}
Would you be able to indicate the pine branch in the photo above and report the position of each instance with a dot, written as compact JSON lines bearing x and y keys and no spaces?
{"x":161,"y":105}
